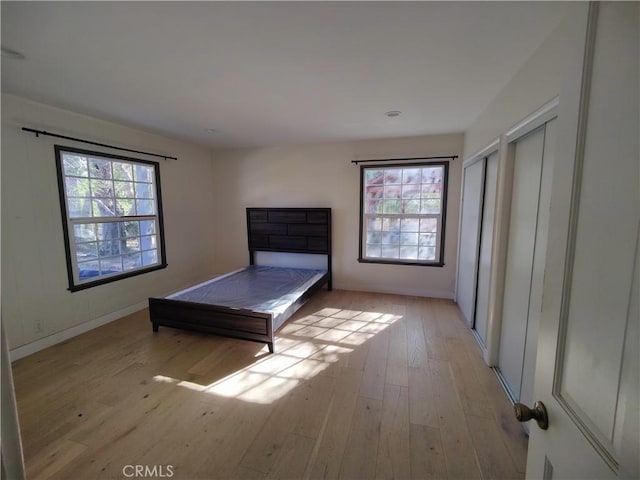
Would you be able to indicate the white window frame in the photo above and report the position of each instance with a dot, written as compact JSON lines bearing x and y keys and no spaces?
{"x":71,"y":220}
{"x":440,"y":218}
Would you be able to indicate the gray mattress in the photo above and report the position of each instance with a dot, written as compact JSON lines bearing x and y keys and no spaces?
{"x":273,"y":290}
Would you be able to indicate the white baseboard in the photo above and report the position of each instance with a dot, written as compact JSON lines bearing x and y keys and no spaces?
{"x":395,"y":291}
{"x":33,"y":347}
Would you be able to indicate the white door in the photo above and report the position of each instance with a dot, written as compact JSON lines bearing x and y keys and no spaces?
{"x":469,"y":239}
{"x":526,"y":251}
{"x":588,"y":359}
{"x":486,"y":247}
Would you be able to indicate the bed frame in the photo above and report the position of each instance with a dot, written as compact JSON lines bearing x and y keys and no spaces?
{"x":284,"y":230}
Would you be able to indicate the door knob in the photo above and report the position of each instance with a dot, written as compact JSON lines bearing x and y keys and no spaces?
{"x":538,"y":413}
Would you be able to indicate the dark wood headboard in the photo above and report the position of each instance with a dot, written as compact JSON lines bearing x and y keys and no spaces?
{"x":289,"y":230}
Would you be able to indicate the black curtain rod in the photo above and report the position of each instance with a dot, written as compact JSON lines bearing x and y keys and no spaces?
{"x":42,"y":132}
{"x":452,"y":157}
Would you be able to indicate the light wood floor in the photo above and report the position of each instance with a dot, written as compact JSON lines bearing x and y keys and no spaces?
{"x":361,"y":386}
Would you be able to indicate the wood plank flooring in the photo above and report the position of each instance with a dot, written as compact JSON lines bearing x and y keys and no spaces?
{"x":362,"y":386}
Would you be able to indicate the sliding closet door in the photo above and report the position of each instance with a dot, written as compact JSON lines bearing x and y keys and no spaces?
{"x":486,"y":245}
{"x":525,"y":260}
{"x":469,"y":239}
{"x":537,"y":274}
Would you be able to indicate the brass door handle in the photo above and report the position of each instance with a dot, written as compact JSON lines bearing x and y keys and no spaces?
{"x":538,"y":413}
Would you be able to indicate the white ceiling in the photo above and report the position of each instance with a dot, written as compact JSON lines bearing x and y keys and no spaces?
{"x":269,"y":73}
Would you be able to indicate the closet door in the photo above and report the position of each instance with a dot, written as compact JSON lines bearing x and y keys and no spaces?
{"x":528,"y":226}
{"x":537,"y":273}
{"x":472,"y":193}
{"x":486,"y":245}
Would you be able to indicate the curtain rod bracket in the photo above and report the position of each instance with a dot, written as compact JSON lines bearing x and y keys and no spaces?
{"x":42,"y":132}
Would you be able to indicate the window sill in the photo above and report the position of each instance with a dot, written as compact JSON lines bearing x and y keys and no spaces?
{"x":115,"y":278}
{"x":400,"y":262}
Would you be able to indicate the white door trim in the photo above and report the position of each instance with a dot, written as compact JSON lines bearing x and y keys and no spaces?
{"x":482,"y":153}
{"x":541,"y":116}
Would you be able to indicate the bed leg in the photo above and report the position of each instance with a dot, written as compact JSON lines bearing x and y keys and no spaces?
{"x":155,"y":326}
{"x":270,"y":345}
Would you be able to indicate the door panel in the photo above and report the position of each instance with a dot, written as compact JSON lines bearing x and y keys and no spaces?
{"x":486,"y":246}
{"x":588,"y":359}
{"x":539,"y":257}
{"x":469,"y":239}
{"x":595,"y":315}
{"x":528,"y":158}
{"x":626,"y":434}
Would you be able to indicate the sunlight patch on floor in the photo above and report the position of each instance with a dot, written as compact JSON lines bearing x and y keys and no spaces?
{"x":305,"y":347}
{"x":163,"y":379}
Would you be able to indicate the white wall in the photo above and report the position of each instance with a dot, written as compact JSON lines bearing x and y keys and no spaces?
{"x":322,"y":175}
{"x":540,"y":79}
{"x":36,"y":305}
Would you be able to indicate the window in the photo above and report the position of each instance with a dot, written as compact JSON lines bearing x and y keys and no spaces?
{"x":111,"y":214}
{"x":403,"y":213}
